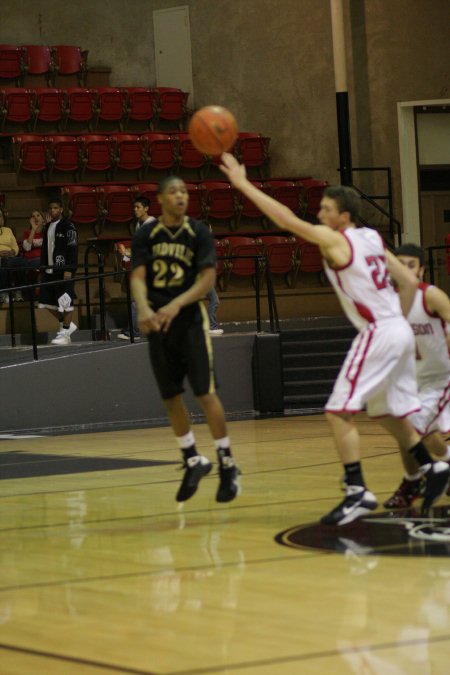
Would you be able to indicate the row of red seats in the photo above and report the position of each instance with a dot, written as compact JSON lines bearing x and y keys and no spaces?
{"x":128,"y":152}
{"x":88,"y":107}
{"x":244,"y":256}
{"x":17,"y":61}
{"x":208,"y":200}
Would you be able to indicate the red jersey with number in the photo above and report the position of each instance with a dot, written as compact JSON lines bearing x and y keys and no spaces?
{"x":363,"y":286}
{"x":430,"y":333}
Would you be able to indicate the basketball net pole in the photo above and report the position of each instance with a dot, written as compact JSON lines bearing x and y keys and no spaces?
{"x":340,"y":79}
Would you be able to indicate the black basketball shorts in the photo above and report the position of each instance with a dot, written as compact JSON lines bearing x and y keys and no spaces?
{"x":48,"y":295}
{"x":184,"y":351}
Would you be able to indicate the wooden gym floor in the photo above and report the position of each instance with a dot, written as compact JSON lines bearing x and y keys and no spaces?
{"x":102,"y":573}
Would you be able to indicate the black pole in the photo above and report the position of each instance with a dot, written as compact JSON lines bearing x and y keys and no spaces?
{"x":345,"y":150}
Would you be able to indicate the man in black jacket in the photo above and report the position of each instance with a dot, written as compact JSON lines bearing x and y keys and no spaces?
{"x":60,"y":253}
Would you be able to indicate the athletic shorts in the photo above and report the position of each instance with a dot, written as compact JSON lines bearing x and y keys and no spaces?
{"x":184,"y":351}
{"x":434,"y":413}
{"x":49,"y":295}
{"x":379,"y":372}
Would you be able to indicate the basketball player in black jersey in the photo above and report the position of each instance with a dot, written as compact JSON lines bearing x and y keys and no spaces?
{"x":174,"y":266}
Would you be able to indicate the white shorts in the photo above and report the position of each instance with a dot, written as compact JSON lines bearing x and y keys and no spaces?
{"x":379,"y":372}
{"x":434,"y":414}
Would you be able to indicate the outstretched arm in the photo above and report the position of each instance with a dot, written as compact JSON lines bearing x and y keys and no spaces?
{"x":282,"y":216}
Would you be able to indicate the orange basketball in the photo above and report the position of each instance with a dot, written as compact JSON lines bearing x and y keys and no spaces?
{"x":213,"y":130}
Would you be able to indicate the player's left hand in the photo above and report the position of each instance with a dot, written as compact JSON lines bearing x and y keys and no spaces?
{"x":166,"y":314}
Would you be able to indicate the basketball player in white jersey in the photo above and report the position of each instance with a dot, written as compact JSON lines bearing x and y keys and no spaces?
{"x":378,"y":372}
{"x":429,"y":318}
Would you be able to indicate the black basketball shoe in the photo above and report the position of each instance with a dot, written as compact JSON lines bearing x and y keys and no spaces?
{"x":357,"y":502}
{"x":229,"y":480}
{"x":436,"y":482}
{"x":406,"y":493}
{"x":195,"y":468}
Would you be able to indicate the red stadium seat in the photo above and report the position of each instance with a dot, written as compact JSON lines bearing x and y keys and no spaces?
{"x":160,"y":151}
{"x":96,"y":153}
{"x":48,"y":106}
{"x":83,"y":203}
{"x":196,"y":206}
{"x":243,"y":267}
{"x":313,"y":192}
{"x":220,"y":202}
{"x":116,"y":204}
{"x":141,"y":106}
{"x":12,"y":63}
{"x":253,"y":150}
{"x":110,"y":106}
{"x":128,"y":150}
{"x":71,"y":60}
{"x":29,"y":152}
{"x":63,"y":154}
{"x":172,"y":105}
{"x":248,"y":208}
{"x":309,"y":259}
{"x":150,"y":192}
{"x":281,"y":255}
{"x":15,"y":106}
{"x":79,"y":106}
{"x":287,"y":192}
{"x":40,"y":61}
{"x":189,"y":157}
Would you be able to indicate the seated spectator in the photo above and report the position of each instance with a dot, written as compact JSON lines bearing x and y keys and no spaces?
{"x":9,"y":250}
{"x":31,"y":243}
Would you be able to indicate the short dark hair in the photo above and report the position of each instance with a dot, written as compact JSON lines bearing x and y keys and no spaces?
{"x":346,"y":198}
{"x":166,"y":181}
{"x":142,"y":200}
{"x":56,"y":200}
{"x":413,"y":251}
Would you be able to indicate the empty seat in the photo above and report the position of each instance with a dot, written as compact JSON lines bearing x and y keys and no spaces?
{"x":40,"y":61}
{"x":71,"y":60}
{"x":287,"y":192}
{"x":63,"y":154}
{"x":79,"y":106}
{"x":109,"y":106}
{"x":247,"y":265}
{"x":160,"y":151}
{"x":281,"y":255}
{"x":150,"y":192}
{"x":96,"y":153}
{"x":309,"y":258}
{"x":82,"y":201}
{"x":172,"y":105}
{"x":128,"y":152}
{"x":248,"y":209}
{"x":313,"y":191}
{"x":188,"y":157}
{"x":220,"y":202}
{"x":196,"y":205}
{"x":15,"y":106}
{"x":116,"y":204}
{"x":29,"y":152}
{"x":48,"y":105}
{"x":141,"y":105}
{"x":253,"y":151}
{"x":12,"y":63}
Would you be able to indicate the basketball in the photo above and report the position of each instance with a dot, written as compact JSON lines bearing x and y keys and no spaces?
{"x":213,"y":130}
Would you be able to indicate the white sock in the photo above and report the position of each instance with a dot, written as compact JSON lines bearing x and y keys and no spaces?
{"x":413,"y":476}
{"x":446,"y":457}
{"x":186,"y":441}
{"x":222,"y":442}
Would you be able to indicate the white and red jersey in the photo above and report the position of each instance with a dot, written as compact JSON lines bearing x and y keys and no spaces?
{"x":363,"y":286}
{"x":430,"y":332}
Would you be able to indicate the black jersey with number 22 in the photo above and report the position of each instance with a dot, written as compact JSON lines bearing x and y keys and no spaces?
{"x":173,"y":257}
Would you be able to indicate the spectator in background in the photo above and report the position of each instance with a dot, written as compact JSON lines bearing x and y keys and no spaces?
{"x":60,"y":252}
{"x":9,"y":250}
{"x":213,"y":304}
{"x":33,"y":238}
